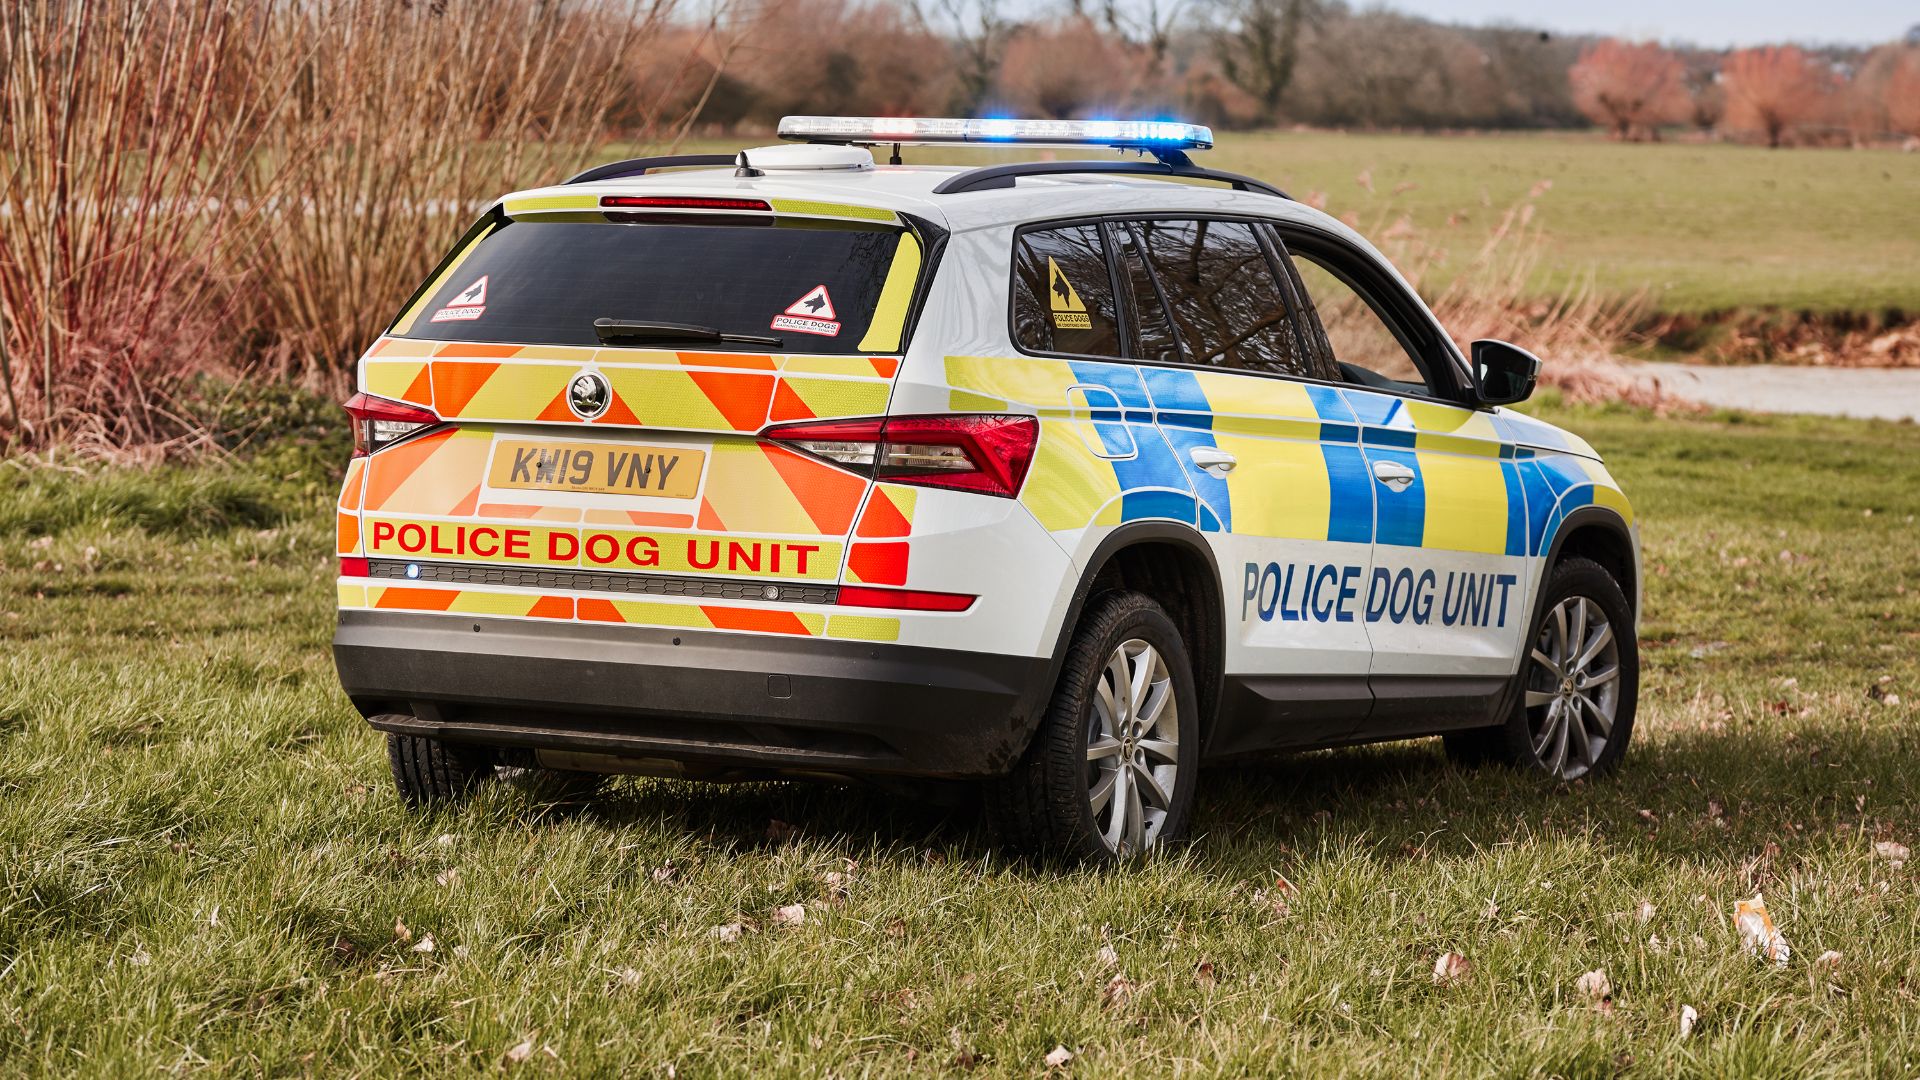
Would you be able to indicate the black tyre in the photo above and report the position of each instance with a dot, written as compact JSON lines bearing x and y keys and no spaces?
{"x":1576,"y":692}
{"x":1111,"y":772}
{"x":430,"y":772}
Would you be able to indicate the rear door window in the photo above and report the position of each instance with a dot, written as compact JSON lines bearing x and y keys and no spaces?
{"x":815,"y":287}
{"x":1063,"y":292}
{"x":1225,"y":303}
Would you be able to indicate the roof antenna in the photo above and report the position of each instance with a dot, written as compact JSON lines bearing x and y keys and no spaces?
{"x":895,"y":158}
{"x":742,"y":168}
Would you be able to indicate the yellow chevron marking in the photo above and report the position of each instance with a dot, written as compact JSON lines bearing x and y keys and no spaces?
{"x":1280,"y":488}
{"x":1474,"y":494}
{"x":863,"y":628}
{"x":811,"y":208}
{"x":890,"y":313}
{"x":1068,"y":483}
{"x":537,"y":203}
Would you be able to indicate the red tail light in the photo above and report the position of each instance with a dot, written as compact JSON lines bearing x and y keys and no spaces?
{"x":985,"y":454}
{"x":355,"y":567}
{"x":679,"y":202}
{"x":379,"y":423}
{"x":904,"y":599}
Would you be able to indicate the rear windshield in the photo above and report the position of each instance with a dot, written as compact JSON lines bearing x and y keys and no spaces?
{"x":545,"y":282}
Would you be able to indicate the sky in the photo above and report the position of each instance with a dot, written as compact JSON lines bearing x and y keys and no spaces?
{"x":1709,"y":23}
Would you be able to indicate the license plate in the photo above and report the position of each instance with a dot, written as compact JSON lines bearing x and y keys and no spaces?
{"x":597,"y":468}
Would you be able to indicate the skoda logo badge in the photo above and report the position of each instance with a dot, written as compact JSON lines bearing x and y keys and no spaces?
{"x":588,"y":395}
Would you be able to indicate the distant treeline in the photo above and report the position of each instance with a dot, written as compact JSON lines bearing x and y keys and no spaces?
{"x":1245,"y":63}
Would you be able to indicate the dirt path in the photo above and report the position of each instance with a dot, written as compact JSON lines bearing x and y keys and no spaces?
{"x":1875,"y":393}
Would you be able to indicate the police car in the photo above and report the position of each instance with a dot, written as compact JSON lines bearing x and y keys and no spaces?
{"x":1066,"y":477}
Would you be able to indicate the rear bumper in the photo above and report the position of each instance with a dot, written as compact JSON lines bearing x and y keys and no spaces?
{"x":732,"y":702}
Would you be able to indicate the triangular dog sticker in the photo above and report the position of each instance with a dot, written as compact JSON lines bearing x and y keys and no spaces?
{"x":815,"y":305}
{"x":1068,"y":312}
{"x":811,"y":314}
{"x":466,"y":307}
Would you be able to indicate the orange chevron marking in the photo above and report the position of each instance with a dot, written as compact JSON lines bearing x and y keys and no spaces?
{"x":351,"y":490}
{"x":732,"y":360}
{"x":346,"y":533}
{"x":380,"y":346}
{"x":552,"y":607}
{"x":766,"y":622}
{"x":709,"y":520}
{"x":828,"y":495}
{"x":417,"y":599}
{"x":420,"y":390}
{"x":741,"y":399}
{"x":885,"y":365}
{"x":393,"y":466}
{"x":882,"y":518}
{"x":466,"y":506}
{"x":467,"y":348}
{"x":557,"y":408}
{"x":617,"y":413}
{"x":592,"y":610}
{"x":787,"y":405}
{"x":648,"y":517}
{"x":455,"y":383}
{"x":508,"y":510}
{"x":879,"y":564}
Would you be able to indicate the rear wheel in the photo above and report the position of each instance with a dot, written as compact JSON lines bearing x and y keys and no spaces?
{"x":1574,"y":706}
{"x":1111,"y":772}
{"x":430,"y":772}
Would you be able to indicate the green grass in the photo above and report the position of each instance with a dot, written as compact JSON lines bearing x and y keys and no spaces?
{"x":1697,"y":227}
{"x":202,"y":860}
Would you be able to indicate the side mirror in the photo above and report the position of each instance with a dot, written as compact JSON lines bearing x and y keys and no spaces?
{"x":1502,"y":373}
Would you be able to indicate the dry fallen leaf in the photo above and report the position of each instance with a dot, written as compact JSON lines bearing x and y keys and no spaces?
{"x":1643,"y":912}
{"x":141,"y":957}
{"x":1059,"y":1057}
{"x":1594,"y":985}
{"x":1688,"y":1017}
{"x":1757,"y":933}
{"x":1450,"y":968}
{"x":839,"y":884}
{"x":790,"y":915}
{"x":425,"y":944}
{"x":446,"y":879}
{"x":1204,"y":976}
{"x":1829,"y":960}
{"x":1117,"y":993}
{"x":730,"y":931}
{"x":400,"y":931}
{"x":520,"y":1053}
{"x":779,"y":831}
{"x":1107,"y":957}
{"x":1892,"y":849}
{"x":665,"y":873}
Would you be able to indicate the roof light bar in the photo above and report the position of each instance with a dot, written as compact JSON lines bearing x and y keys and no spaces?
{"x":1152,"y":135}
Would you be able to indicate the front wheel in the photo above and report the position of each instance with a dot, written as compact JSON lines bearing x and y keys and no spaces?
{"x":1578,"y":684}
{"x":1111,"y":772}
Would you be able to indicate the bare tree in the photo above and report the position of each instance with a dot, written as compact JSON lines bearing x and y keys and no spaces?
{"x":1629,"y":89}
{"x":1771,"y":90}
{"x":1903,"y":91}
{"x":1068,"y":68}
{"x":1259,"y":46}
{"x":979,"y":35}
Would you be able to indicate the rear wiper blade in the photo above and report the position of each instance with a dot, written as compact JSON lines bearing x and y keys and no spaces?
{"x":613,"y":331}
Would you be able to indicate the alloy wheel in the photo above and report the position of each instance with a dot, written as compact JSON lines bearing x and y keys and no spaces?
{"x":1133,"y":748}
{"x":1573,"y":688}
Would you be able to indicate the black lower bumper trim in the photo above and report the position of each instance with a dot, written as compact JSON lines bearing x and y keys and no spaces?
{"x":736,"y":701}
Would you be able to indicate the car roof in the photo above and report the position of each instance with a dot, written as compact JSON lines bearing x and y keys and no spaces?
{"x":909,"y":189}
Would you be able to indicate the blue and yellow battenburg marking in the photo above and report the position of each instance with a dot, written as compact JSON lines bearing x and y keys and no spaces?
{"x":1506,"y":479}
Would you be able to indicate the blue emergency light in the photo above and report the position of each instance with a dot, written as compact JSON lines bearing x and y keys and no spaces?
{"x":1145,"y":135}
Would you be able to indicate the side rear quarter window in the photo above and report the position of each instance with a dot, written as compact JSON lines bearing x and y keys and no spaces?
{"x":1063,"y":292}
{"x":1225,"y":303}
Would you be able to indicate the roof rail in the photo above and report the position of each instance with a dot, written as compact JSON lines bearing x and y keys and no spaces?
{"x":640,"y":166}
{"x":1003,"y":176}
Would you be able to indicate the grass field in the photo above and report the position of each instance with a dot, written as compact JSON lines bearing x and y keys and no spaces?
{"x":1697,"y":227}
{"x":205,"y":867}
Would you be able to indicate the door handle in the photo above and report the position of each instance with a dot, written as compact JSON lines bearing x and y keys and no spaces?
{"x":1213,"y":459}
{"x":1395,"y":475}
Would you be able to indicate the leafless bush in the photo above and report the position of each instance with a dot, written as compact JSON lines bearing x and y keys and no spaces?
{"x":1630,"y":89}
{"x":195,"y":187}
{"x":1069,"y":68}
{"x":1773,"y":90}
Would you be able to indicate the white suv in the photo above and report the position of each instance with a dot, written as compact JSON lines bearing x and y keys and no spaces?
{"x":1055,"y":476}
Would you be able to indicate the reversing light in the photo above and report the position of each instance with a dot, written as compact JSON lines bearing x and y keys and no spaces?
{"x":679,"y":202}
{"x":931,"y":130}
{"x":379,"y":423}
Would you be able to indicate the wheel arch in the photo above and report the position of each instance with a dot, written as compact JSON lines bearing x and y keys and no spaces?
{"x":1173,"y":564}
{"x":1602,"y":535}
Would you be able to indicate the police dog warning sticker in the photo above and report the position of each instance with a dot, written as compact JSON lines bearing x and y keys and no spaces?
{"x":466,"y":307}
{"x":1068,"y":312}
{"x":811,"y":314}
